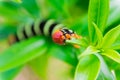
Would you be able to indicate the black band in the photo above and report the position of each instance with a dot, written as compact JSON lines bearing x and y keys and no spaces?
{"x":16,"y":37}
{"x":24,"y":33}
{"x":51,"y":28}
{"x":42,"y":25}
{"x":33,"y":29}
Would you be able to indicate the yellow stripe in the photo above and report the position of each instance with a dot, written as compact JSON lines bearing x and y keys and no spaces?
{"x":20,"y":33}
{"x":36,"y":27}
{"x":47,"y":26}
{"x":28,"y":30}
{"x":57,"y":27}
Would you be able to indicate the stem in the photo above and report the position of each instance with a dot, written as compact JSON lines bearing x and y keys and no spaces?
{"x":80,"y":42}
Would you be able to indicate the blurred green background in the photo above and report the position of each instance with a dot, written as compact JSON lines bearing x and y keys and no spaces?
{"x":49,"y":61}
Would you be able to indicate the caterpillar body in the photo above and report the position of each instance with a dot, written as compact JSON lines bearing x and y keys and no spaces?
{"x":57,"y":31}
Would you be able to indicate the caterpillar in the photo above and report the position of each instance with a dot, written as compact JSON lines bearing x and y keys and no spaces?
{"x":58,"y":32}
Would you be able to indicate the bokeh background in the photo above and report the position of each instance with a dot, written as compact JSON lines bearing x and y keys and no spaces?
{"x":72,"y":13}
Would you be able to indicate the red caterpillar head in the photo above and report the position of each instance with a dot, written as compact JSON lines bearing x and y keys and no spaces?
{"x":58,"y":37}
{"x":62,"y":35}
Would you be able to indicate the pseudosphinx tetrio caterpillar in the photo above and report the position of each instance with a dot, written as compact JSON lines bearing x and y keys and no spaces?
{"x":58,"y":32}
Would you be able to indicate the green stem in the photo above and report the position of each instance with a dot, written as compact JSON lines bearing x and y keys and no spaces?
{"x":80,"y":42}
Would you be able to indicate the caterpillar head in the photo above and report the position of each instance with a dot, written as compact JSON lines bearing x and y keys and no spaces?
{"x":60,"y":36}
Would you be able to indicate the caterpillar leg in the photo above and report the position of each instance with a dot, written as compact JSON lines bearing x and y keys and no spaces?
{"x":76,"y":46}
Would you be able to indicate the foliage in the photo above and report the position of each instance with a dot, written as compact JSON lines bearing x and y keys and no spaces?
{"x":99,"y":46}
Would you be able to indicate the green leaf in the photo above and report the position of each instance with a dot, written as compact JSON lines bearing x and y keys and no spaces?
{"x":114,"y":18}
{"x":88,"y":68}
{"x":18,"y":1}
{"x":16,"y":13}
{"x":97,"y":13}
{"x":10,"y":74}
{"x":80,"y":42}
{"x":112,"y":54}
{"x":88,"y":51}
{"x":65,"y":53}
{"x":32,"y":7}
{"x":45,"y":64}
{"x":117,"y":74}
{"x":6,"y":30}
{"x":99,"y":35}
{"x":116,"y":44}
{"x":110,"y":37}
{"x":21,"y":53}
{"x":114,"y":14}
{"x":105,"y":73}
{"x":40,"y":65}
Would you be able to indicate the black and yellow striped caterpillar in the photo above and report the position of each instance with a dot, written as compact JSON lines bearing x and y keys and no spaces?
{"x":57,"y":31}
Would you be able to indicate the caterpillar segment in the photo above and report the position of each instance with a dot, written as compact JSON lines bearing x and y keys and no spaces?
{"x":57,"y":31}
